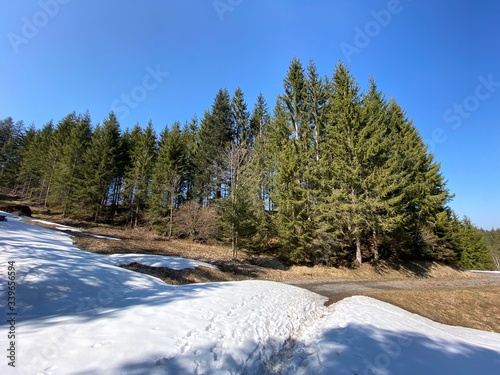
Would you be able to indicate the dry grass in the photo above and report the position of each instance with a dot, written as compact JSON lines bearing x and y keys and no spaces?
{"x":247,"y":265}
{"x":474,"y":308}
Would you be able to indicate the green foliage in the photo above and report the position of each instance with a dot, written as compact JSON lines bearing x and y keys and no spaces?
{"x":100,"y":166}
{"x":474,"y":251}
{"x":493,"y":240}
{"x":138,"y":174}
{"x":336,"y":176}
{"x":11,"y":149}
{"x":168,"y":179}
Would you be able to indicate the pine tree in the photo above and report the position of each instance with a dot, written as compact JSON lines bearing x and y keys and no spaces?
{"x":138,"y":175}
{"x":190,"y":135}
{"x":11,"y":144}
{"x":425,"y":193}
{"x":493,"y":240}
{"x":71,"y":139}
{"x":215,"y":134}
{"x":474,"y":252}
{"x":101,"y":166}
{"x":236,"y":211}
{"x":35,"y":168}
{"x":241,"y":119}
{"x":168,"y":179}
{"x":381,"y":180}
{"x":291,"y":145}
{"x":341,"y":165}
{"x":259,"y":120}
{"x":27,"y":175}
{"x":260,"y":173}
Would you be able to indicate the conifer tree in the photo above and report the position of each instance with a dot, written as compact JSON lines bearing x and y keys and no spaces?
{"x":381,"y":180}
{"x":241,"y":118}
{"x":168,"y":178}
{"x":101,"y":166}
{"x":35,"y":170}
{"x":215,"y":134}
{"x":260,"y":173}
{"x":474,"y":252}
{"x":260,"y":119}
{"x":425,"y":192}
{"x":190,"y":136}
{"x":341,"y":165}
{"x":11,"y":144}
{"x":139,"y":172}
{"x":71,"y":139}
{"x":236,"y":211}
{"x":291,"y":144}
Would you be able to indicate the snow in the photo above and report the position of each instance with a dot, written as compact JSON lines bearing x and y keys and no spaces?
{"x":78,"y":313}
{"x":69,"y":229}
{"x":174,"y":263}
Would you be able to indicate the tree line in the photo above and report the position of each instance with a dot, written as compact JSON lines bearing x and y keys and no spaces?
{"x":333,"y":175}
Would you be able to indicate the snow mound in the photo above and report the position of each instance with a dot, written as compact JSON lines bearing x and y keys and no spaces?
{"x":77,"y":313}
{"x":174,"y":263}
{"x":67,"y":228}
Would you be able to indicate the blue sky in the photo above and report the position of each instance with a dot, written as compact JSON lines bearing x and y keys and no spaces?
{"x":165,"y":60}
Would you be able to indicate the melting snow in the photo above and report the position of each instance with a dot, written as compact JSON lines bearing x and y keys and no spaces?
{"x":77,"y":313}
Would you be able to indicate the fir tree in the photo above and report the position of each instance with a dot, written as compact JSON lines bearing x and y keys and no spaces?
{"x":168,"y":178}
{"x":215,"y":134}
{"x":70,"y":141}
{"x":474,"y":252}
{"x":101,"y":166}
{"x":11,"y":144}
{"x":291,"y":144}
{"x":241,"y":118}
{"x":139,"y":172}
{"x":341,"y":164}
{"x":259,"y":120}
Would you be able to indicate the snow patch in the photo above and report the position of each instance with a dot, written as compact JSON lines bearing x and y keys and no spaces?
{"x":174,"y":263}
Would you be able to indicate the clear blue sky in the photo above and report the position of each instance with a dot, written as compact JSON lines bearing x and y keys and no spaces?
{"x":165,"y":60}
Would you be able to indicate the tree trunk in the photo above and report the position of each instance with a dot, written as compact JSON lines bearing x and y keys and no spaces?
{"x":359,"y":258}
{"x":171,"y":215}
{"x":376,"y":254}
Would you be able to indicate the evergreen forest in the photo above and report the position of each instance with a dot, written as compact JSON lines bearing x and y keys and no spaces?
{"x":332,"y":175}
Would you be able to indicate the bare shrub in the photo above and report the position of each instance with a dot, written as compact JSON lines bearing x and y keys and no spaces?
{"x":196,"y":222}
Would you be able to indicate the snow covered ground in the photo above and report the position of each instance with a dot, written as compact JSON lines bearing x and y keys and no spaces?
{"x":174,"y":263}
{"x":78,"y":313}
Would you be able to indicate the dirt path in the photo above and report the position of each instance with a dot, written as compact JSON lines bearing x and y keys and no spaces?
{"x":336,"y":290}
{"x":468,"y":302}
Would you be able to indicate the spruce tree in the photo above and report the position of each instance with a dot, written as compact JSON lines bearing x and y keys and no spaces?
{"x":168,"y":179}
{"x":101,"y":166}
{"x":11,"y":144}
{"x":345,"y":208}
{"x":291,"y":145}
{"x":381,"y":180}
{"x":70,"y":142}
{"x":260,"y":119}
{"x":260,"y":173}
{"x":138,"y":175}
{"x":425,"y":193}
{"x":215,"y":134}
{"x":474,"y":252}
{"x":241,"y":119}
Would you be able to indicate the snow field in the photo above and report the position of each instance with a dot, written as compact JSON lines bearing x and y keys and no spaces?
{"x":78,"y":313}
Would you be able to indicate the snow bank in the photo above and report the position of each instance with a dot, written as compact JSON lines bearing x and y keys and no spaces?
{"x":79,"y":314}
{"x":174,"y":263}
{"x":67,"y":228}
